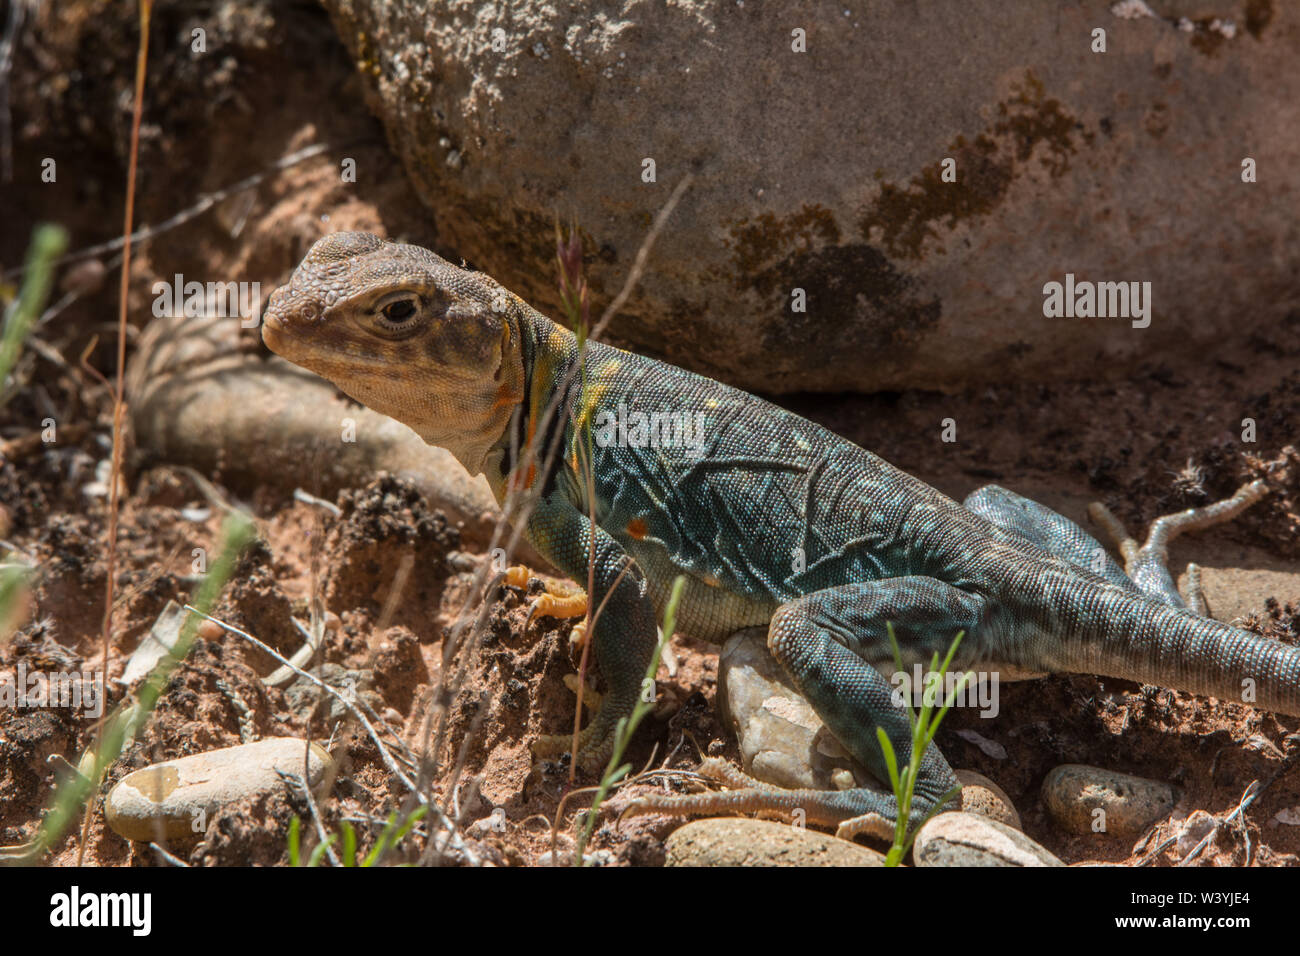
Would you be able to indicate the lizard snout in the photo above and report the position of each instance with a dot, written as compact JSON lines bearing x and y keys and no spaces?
{"x":288,"y":307}
{"x":282,"y":315}
{"x":289,"y":314}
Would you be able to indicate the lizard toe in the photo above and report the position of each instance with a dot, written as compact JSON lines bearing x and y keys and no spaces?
{"x":870,"y":824}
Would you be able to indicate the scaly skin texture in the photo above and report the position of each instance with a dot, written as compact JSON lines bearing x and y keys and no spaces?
{"x":773,"y":520}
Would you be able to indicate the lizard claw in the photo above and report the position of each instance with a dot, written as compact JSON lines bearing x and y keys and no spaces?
{"x":577,"y":638}
{"x":591,"y":698}
{"x":559,"y":599}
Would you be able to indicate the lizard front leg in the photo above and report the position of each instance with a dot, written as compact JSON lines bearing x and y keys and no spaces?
{"x":624,"y":630}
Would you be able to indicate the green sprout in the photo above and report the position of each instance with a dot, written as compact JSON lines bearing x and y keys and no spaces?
{"x":924,"y":726}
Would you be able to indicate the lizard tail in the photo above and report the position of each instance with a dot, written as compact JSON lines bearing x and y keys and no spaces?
{"x":1142,"y":639}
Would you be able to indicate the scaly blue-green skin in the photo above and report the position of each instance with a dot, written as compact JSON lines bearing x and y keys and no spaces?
{"x":783,"y":524}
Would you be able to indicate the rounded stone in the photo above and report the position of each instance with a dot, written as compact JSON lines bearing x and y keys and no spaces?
{"x":967,"y":839}
{"x":1195,"y":828}
{"x":782,"y":739}
{"x":169,"y":797}
{"x":1074,"y":793}
{"x":982,"y":796}
{"x":738,"y":841}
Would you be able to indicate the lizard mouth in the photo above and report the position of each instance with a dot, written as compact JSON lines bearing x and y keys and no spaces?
{"x":279,"y":336}
{"x":274,"y":333}
{"x":318,"y":354}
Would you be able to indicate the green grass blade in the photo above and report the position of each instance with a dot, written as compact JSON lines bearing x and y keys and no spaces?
{"x":48,"y":243}
{"x":295,"y":836}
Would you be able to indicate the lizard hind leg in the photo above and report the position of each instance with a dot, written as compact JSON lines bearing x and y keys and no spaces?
{"x":1048,"y":529}
{"x":827,"y":642}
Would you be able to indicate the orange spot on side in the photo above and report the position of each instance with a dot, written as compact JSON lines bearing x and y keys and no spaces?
{"x":637,"y":528}
{"x":711,"y":581}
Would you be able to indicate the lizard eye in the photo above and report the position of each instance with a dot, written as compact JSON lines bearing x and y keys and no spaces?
{"x":397,"y":313}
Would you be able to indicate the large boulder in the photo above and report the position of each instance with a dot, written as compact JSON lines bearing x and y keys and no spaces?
{"x":823,"y":171}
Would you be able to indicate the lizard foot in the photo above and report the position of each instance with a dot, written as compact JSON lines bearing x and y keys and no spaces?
{"x":1147,"y":564}
{"x":747,"y":794}
{"x":559,"y":599}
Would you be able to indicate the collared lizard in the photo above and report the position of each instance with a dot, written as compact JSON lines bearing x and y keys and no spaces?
{"x":773,"y":520}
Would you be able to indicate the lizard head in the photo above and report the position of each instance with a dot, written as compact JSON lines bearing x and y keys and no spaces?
{"x":408,"y":334}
